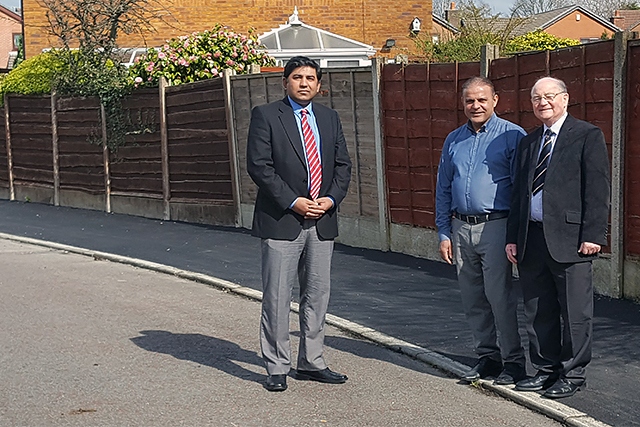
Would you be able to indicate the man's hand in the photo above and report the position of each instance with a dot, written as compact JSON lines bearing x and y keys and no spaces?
{"x":445,"y":251}
{"x":325,"y":203}
{"x":512,"y":252}
{"x":309,"y":209}
{"x":588,"y":248}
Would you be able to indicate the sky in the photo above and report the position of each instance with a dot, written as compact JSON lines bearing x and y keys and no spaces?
{"x":498,"y":6}
{"x":10,"y":4}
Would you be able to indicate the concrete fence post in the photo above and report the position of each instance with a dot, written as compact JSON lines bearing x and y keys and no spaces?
{"x":383,"y":216}
{"x":617,"y":163}
{"x":233,"y":147}
{"x":488,"y":53}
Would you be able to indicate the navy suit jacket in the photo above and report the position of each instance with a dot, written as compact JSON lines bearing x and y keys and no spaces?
{"x":575,"y":200}
{"x":276,"y":163}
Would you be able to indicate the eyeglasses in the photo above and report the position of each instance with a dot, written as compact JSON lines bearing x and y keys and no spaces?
{"x":549,"y":97}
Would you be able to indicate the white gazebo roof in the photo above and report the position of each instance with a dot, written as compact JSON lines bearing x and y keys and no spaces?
{"x":330,"y":50}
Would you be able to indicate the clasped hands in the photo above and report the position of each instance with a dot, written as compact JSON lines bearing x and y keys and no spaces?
{"x":312,"y":209}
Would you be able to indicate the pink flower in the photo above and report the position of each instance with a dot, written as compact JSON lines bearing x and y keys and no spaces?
{"x":161,"y":55}
{"x":245,"y":57}
{"x":150,"y":66}
{"x":230,"y":62}
{"x":214,"y":71}
{"x":138,"y":80}
{"x":183,"y":62}
{"x":217,"y":54}
{"x":234,"y":54}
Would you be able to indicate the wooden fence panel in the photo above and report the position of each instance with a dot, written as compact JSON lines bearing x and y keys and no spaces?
{"x":199,"y":161}
{"x":248,"y":91}
{"x":4,"y":165}
{"x":421,"y":105}
{"x":136,"y":167}
{"x":350,"y":93}
{"x":632,"y":153}
{"x":81,"y":161}
{"x":31,"y":140}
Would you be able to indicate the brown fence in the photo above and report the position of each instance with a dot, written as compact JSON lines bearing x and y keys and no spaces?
{"x":420,"y":106}
{"x":186,"y":149}
{"x":348,"y":91}
{"x":4,"y":166}
{"x":632,"y":153}
{"x":198,"y":142}
{"x":135,"y":169}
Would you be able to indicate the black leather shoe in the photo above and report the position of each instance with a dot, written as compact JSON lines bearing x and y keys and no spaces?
{"x":511,"y":374}
{"x":276,"y":383}
{"x":324,"y":376}
{"x":563,"y":388}
{"x":541,"y":381}
{"x":485,"y":367}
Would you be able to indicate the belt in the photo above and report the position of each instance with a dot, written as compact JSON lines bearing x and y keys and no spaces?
{"x":478,"y":219}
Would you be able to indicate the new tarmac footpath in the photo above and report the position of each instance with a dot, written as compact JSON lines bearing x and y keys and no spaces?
{"x":406,"y":304}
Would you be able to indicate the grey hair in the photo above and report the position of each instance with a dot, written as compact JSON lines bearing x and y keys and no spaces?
{"x":561,"y":85}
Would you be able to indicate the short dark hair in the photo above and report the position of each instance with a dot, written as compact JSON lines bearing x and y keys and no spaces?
{"x":478,"y":81}
{"x":301,"y":61}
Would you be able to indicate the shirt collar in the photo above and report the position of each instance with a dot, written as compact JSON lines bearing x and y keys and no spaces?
{"x":297,"y":107}
{"x":487,"y":125}
{"x":555,"y":128}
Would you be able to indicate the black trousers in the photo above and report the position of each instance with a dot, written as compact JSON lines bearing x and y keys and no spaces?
{"x":558,"y":304}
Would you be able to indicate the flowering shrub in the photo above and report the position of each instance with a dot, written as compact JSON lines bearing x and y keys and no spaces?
{"x":33,"y":76}
{"x":199,"y":56}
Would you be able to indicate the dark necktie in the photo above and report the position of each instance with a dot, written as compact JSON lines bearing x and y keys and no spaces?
{"x":313,"y":157}
{"x":543,"y":162}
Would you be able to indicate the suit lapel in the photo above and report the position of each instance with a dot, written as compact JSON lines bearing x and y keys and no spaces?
{"x":533,"y":154}
{"x":323,"y":122}
{"x":291,"y":129}
{"x":559,"y":148}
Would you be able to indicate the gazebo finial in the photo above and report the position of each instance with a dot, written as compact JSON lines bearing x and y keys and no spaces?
{"x":293,"y":19}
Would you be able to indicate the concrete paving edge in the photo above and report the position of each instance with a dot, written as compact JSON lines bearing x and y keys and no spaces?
{"x":551,"y":408}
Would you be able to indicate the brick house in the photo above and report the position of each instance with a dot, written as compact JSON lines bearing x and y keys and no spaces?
{"x":628,"y":20}
{"x":371,"y":22}
{"x":573,"y":22}
{"x":10,"y":32}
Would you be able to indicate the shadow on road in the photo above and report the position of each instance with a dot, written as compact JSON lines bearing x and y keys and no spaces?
{"x":209,"y":351}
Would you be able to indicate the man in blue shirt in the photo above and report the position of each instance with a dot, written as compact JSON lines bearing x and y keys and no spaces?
{"x":473,"y":195}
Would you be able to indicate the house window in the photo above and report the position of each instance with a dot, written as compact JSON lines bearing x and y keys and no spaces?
{"x":17,"y":41}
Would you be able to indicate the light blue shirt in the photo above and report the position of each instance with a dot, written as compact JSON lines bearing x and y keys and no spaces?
{"x":536,"y":199}
{"x":477,"y":171}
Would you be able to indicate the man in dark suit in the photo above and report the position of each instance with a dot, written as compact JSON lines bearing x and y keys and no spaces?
{"x":556,"y":227}
{"x":297,"y":156}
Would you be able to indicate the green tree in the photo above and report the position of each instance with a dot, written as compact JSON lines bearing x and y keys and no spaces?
{"x":33,"y":76}
{"x":538,"y":40}
{"x":478,"y":26}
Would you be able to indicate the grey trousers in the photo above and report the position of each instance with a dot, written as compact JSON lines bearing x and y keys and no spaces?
{"x":488,"y":298}
{"x":308,"y":260}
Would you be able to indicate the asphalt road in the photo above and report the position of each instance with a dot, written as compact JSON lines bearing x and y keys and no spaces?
{"x":412,"y":299}
{"x":96,"y":343}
